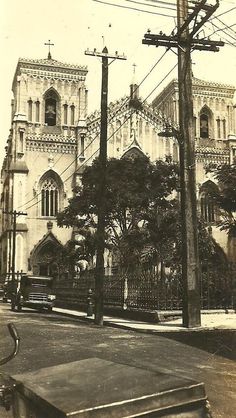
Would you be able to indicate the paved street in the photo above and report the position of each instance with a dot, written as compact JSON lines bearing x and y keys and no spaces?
{"x":51,"y":339}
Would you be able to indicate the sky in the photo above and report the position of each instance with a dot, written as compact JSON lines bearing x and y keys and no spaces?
{"x":75,"y":25}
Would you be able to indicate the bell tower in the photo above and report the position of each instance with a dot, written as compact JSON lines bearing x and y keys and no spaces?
{"x":48,"y":110}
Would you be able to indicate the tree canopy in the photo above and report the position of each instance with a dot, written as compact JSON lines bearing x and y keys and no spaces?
{"x":225,"y":195}
{"x":133,"y":187}
{"x":142,"y":212}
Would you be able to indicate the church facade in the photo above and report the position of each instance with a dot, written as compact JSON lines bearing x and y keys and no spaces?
{"x":215,"y":142}
{"x":52,"y":139}
{"x":48,"y":112}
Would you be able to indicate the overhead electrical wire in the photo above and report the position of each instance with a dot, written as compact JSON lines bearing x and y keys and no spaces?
{"x":133,"y":8}
{"x":227,"y":41}
{"x":221,"y":14}
{"x":229,"y":28}
{"x":141,"y":3}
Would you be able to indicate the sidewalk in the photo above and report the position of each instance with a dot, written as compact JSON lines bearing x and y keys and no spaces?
{"x":209,"y":321}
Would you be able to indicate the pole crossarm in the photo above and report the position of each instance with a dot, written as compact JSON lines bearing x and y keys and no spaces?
{"x":173,"y":42}
{"x":14,"y":212}
{"x":105,"y":54}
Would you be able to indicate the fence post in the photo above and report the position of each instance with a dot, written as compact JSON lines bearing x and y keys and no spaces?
{"x":90,"y":303}
{"x":125,"y":292}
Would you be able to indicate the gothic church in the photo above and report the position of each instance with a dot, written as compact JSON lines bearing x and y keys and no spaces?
{"x":52,"y":138}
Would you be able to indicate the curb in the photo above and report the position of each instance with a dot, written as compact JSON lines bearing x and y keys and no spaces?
{"x":143,"y":330}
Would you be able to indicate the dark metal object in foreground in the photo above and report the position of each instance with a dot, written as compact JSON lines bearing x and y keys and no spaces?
{"x":6,"y":385}
{"x":103,"y":389}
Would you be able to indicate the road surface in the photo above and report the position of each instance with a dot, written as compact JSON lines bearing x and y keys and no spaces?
{"x":51,"y":339}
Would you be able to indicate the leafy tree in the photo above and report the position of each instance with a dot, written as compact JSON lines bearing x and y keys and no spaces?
{"x":225,"y":195}
{"x":164,"y":227}
{"x":134,"y":186}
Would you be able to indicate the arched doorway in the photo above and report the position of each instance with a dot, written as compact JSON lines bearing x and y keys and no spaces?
{"x":44,"y":257}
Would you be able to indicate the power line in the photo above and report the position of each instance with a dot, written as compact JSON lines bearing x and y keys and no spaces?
{"x":226,"y":40}
{"x":221,"y":14}
{"x":151,"y":5}
{"x":133,"y":8}
{"x":229,"y":28}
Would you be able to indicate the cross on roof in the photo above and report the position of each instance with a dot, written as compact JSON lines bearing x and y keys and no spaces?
{"x":49,"y":44}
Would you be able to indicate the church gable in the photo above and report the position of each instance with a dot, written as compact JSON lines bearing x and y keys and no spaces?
{"x":129,"y":119}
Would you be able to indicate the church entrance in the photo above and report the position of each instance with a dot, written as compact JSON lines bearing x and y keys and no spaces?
{"x":44,"y":258}
{"x":45,"y":263}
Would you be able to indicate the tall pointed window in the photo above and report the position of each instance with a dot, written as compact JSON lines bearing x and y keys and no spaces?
{"x":204,"y":126}
{"x":37,"y":105}
{"x":51,"y":108}
{"x":207,"y":203}
{"x":218,"y":122}
{"x":224,"y":128}
{"x":207,"y":208}
{"x":65,"y":110}
{"x":50,"y":112}
{"x":49,"y":197}
{"x":72,"y":115}
{"x":30,"y":110}
{"x":206,"y":123}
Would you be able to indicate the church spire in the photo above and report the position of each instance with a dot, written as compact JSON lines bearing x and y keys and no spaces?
{"x":134,"y":88}
{"x":49,"y":52}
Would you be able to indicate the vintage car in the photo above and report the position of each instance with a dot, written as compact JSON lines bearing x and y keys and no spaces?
{"x":33,"y":292}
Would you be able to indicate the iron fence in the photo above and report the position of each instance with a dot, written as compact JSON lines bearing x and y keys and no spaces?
{"x":146,"y":291}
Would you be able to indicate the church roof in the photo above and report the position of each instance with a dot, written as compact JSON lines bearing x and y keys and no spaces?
{"x":51,"y":63}
{"x":122,"y":106}
{"x":197,"y":84}
{"x":48,"y":67}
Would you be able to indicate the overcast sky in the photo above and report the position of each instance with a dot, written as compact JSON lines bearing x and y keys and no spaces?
{"x":75,"y":25}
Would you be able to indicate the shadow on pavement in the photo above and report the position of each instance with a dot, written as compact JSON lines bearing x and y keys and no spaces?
{"x":218,"y":342}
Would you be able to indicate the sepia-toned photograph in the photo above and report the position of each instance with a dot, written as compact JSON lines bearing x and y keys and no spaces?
{"x":118,"y":209}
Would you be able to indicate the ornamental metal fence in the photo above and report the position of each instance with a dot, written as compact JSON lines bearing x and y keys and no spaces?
{"x":146,"y":291}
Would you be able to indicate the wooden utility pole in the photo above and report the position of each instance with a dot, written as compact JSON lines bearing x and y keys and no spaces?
{"x":14,"y":214}
{"x":188,"y":25}
{"x":190,"y":260}
{"x":99,"y":272}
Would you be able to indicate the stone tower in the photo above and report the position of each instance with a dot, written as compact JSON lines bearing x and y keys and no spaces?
{"x":48,"y":120}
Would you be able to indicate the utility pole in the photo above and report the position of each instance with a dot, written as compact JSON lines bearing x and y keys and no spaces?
{"x":188,"y":24}
{"x":99,"y":271}
{"x":14,"y":213}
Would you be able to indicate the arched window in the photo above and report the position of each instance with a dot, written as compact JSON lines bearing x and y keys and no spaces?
{"x":206,"y":123}
{"x":204,"y":126}
{"x":30,"y":108}
{"x":51,"y":108}
{"x":65,"y":110}
{"x":224,"y":128}
{"x":218,"y":128}
{"x":207,"y":202}
{"x":207,"y":208}
{"x":37,"y":108}
{"x":49,"y":197}
{"x":72,"y":115}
